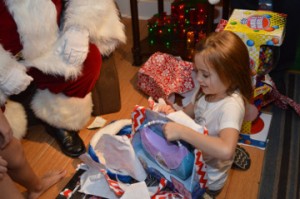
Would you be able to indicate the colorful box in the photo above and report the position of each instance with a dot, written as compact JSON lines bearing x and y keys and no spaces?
{"x":255,"y":133}
{"x":257,"y":28}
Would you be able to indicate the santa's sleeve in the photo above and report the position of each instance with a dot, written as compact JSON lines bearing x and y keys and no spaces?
{"x":13,"y":77}
{"x":100,"y":18}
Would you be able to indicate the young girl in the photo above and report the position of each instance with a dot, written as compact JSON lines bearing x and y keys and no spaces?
{"x":223,"y":72}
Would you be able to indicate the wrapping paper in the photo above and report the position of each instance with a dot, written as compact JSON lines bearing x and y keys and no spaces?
{"x":163,"y":74}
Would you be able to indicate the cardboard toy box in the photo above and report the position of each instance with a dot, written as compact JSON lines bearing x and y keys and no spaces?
{"x":257,"y":29}
{"x":260,"y":30}
{"x":191,"y":186}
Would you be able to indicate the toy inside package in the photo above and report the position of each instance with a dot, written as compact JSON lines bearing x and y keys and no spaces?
{"x":178,"y":162}
{"x":261,"y":31}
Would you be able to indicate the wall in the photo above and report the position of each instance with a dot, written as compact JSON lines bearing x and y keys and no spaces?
{"x":146,"y":8}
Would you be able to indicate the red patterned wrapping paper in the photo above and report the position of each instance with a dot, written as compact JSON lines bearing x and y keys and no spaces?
{"x":163,"y":74}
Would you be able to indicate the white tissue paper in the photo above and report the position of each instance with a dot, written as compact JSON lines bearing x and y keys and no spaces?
{"x":117,"y":153}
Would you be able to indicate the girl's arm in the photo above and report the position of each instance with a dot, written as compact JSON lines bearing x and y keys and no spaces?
{"x":189,"y":110}
{"x":166,"y":109}
{"x":222,"y":147}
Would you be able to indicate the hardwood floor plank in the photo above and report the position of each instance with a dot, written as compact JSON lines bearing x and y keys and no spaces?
{"x":245,"y":184}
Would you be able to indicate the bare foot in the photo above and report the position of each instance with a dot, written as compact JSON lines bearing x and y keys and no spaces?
{"x":48,"y":180}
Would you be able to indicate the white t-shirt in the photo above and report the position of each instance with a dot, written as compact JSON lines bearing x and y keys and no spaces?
{"x":215,"y":116}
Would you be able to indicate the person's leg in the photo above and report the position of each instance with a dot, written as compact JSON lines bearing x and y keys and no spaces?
{"x":65,"y":105}
{"x":21,"y":172}
{"x":8,"y":189}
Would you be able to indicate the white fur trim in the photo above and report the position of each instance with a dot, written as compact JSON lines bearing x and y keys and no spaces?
{"x":8,"y":65}
{"x":101,"y":19}
{"x":52,"y":63}
{"x":37,"y":25}
{"x":40,"y":41}
{"x":16,"y":116}
{"x":112,"y":129}
{"x":61,"y":111}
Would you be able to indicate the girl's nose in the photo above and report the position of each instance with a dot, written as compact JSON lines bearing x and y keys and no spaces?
{"x":199,"y":78}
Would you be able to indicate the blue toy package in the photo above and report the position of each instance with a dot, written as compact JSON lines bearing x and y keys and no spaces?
{"x":179,"y":163}
{"x":159,"y":150}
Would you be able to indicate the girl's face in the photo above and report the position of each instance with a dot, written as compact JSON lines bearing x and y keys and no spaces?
{"x":209,"y":80}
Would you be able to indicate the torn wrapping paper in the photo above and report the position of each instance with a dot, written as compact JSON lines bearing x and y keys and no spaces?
{"x":136,"y":191}
{"x":118,"y":156}
{"x":163,"y":74}
{"x":111,"y":129}
{"x":178,"y":104}
{"x":117,"y":153}
{"x":112,"y":156}
{"x":94,"y":183}
{"x":97,"y":123}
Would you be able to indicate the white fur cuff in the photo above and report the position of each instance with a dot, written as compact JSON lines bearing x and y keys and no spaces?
{"x":60,"y":111}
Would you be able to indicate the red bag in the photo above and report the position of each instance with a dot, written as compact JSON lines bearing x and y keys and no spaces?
{"x":163,"y":74}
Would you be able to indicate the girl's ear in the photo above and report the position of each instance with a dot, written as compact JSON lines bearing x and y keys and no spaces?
{"x":251,"y":112}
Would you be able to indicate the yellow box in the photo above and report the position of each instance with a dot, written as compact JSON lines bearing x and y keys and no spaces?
{"x":257,"y":28}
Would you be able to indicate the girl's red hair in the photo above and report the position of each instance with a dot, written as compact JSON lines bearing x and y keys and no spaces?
{"x":227,"y":54}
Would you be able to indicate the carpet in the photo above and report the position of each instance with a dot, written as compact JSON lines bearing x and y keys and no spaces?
{"x":281,"y":168}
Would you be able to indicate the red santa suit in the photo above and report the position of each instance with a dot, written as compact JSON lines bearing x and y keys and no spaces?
{"x":60,"y":51}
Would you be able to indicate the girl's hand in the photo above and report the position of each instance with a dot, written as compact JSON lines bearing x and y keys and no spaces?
{"x":3,"y":167}
{"x":166,"y":109}
{"x":173,"y":131}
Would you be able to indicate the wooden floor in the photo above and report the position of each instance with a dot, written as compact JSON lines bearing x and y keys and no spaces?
{"x":43,"y":153}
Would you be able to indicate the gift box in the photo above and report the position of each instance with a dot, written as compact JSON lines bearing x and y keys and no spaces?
{"x":260,"y":30}
{"x":163,"y":74}
{"x":185,"y":173}
{"x":255,"y":133}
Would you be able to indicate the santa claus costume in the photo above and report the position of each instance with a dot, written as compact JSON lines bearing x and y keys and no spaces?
{"x":56,"y":47}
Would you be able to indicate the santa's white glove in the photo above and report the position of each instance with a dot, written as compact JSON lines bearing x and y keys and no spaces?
{"x":74,"y":45}
{"x":15,"y":81}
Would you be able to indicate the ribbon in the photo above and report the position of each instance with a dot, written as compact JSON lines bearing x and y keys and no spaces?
{"x":283,"y":101}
